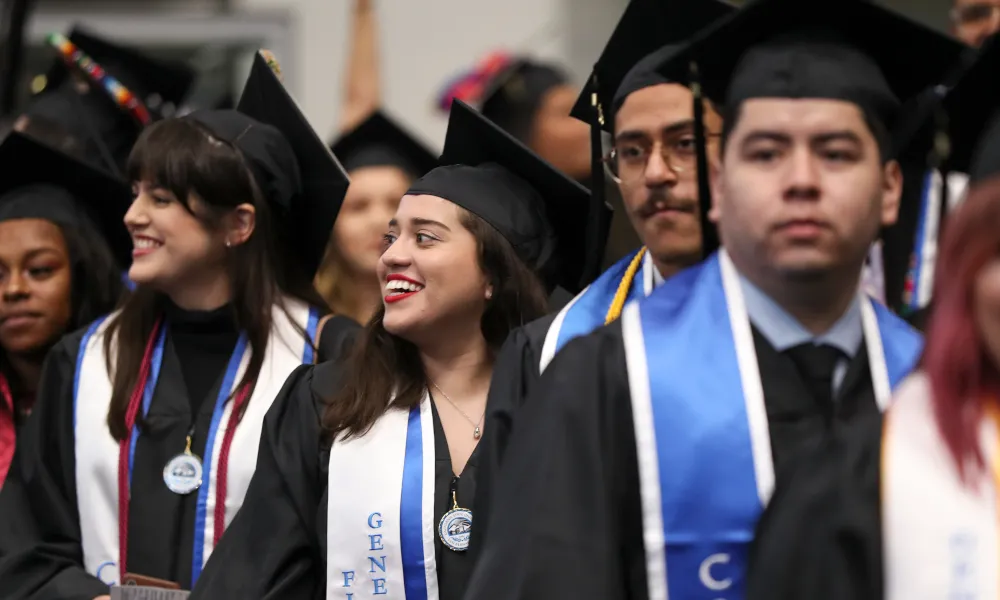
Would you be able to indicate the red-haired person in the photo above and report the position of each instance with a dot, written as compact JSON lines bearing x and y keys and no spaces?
{"x":905,"y":506}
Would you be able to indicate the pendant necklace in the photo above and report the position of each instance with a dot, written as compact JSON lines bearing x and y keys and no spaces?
{"x":477,"y":432}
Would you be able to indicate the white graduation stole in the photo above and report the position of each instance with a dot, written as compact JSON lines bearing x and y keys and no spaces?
{"x":380,"y":520}
{"x":97,"y":452}
{"x":939,"y":534}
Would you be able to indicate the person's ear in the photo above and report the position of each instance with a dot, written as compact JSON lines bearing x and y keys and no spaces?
{"x":240,"y":224}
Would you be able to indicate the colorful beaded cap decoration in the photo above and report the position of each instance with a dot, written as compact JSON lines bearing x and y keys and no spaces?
{"x":121,"y":95}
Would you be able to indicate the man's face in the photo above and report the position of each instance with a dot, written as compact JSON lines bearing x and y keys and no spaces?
{"x":802,"y":190}
{"x":972,"y":21}
{"x":656,"y":167}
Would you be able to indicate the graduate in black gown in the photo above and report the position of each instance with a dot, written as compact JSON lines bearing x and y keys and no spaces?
{"x":641,"y":108}
{"x":356,"y":497}
{"x":639,"y":465}
{"x":59,"y":220}
{"x":905,"y":506}
{"x":142,"y":443}
{"x":382,"y":159}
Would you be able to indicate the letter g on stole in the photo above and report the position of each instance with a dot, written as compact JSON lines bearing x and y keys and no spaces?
{"x":705,"y":573}
{"x":375,"y":520}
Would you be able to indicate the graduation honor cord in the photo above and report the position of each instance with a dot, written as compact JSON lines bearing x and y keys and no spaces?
{"x":141,"y":396}
{"x":6,"y":395}
{"x":624,"y":286}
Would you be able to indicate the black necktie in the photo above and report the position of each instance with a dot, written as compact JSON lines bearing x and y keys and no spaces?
{"x":816,"y":363}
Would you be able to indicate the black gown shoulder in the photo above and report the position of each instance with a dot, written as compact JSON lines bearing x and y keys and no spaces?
{"x":515,"y":374}
{"x":566,"y":518}
{"x":272,"y":548}
{"x":821,"y":535}
{"x":40,"y":552}
{"x":336,"y":338}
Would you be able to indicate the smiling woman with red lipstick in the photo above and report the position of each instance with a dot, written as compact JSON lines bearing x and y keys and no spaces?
{"x":374,"y":460}
{"x":144,"y":436}
{"x":57,"y":271}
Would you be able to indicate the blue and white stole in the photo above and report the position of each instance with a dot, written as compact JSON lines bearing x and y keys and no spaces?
{"x":587,"y":311}
{"x":380,"y":519}
{"x":701,"y":429}
{"x":97,"y":452}
{"x":939,"y":533}
{"x":920,"y":275}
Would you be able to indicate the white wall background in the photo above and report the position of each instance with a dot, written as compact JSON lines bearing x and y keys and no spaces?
{"x":425,"y":42}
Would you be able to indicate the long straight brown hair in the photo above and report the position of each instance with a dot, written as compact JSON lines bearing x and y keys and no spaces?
{"x":382,"y":366}
{"x":181,"y":155}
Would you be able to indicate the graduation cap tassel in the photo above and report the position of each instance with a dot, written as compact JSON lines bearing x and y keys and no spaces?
{"x":598,"y":227}
{"x":709,"y":235}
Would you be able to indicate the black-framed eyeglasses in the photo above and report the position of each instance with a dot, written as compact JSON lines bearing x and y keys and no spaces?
{"x":627,"y":159}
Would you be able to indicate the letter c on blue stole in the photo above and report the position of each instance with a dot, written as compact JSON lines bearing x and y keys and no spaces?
{"x":100,"y":568}
{"x":375,"y":517}
{"x":705,"y":573}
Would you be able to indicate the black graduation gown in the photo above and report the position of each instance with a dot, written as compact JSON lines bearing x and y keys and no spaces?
{"x":515,"y":374}
{"x":821,"y":535}
{"x":275,"y":548}
{"x":40,"y":539}
{"x":566,"y":518}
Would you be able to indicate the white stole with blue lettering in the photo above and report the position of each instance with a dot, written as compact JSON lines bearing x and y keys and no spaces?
{"x":701,"y":429}
{"x":939,"y":534}
{"x":380,"y":519}
{"x":97,"y":452}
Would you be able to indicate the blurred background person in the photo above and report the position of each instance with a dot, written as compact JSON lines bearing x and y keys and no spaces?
{"x":531,"y":100}
{"x":382,"y":159}
{"x":62,"y":252}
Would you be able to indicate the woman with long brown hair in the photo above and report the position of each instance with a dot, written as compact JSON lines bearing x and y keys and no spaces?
{"x":144,"y":437}
{"x":366,"y":472}
{"x":905,"y":506}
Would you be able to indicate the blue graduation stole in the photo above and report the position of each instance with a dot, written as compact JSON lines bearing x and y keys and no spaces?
{"x":704,"y":450}
{"x":588,"y":310}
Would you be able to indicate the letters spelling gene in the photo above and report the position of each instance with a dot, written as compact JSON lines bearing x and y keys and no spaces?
{"x":376,"y":562}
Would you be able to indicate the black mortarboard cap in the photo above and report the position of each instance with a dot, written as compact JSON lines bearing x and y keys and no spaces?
{"x":541,"y":212}
{"x":94,"y":118}
{"x":852,"y":50}
{"x":380,"y":141}
{"x":291,"y":164}
{"x":645,"y":27}
{"x":39,"y":182}
{"x":513,"y":96}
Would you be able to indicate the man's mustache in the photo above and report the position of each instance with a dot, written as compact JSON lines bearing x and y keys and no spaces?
{"x":661,"y":200}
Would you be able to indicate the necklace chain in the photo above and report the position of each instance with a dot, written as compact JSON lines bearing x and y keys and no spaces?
{"x":477,"y":431}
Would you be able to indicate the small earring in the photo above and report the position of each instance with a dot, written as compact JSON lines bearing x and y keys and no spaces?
{"x":489,"y":294}
{"x":229,"y":244}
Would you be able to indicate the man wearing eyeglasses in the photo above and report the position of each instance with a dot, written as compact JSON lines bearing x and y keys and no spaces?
{"x":653,"y":161}
{"x":652,"y":158}
{"x":972,"y":21}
